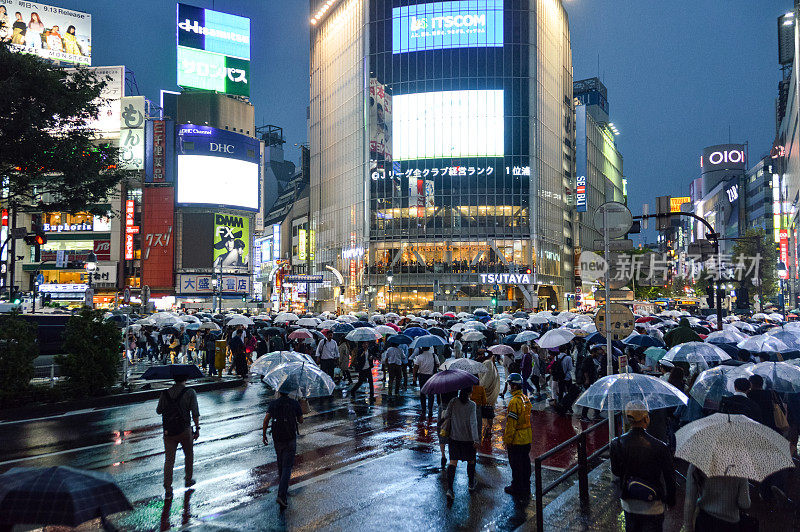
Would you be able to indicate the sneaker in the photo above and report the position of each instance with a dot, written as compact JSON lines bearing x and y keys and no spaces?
{"x":189,"y":483}
{"x":282,"y":503}
{"x":450,"y":495}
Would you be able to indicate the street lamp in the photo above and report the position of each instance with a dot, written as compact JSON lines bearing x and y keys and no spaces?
{"x":214,"y":283}
{"x":91,"y":267}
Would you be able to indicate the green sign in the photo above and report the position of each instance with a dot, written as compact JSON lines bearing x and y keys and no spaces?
{"x":199,"y":69}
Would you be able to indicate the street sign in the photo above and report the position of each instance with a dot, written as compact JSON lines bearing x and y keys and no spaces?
{"x":126,"y":295}
{"x":61,"y":258}
{"x":620,"y":320}
{"x":617,"y":274}
{"x":302,"y":278}
{"x":624,"y":294}
{"x":702,"y":248}
{"x":19,"y":232}
{"x":614,"y":245}
{"x":39,"y":279}
{"x":614,"y":218}
{"x":88,"y":297}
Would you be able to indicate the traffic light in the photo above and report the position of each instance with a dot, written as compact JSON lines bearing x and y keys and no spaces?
{"x":36,"y":238}
{"x":244,"y":299}
{"x":528,"y":271}
{"x":494,"y":301}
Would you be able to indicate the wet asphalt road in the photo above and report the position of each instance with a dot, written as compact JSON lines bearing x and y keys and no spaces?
{"x":359,"y":466}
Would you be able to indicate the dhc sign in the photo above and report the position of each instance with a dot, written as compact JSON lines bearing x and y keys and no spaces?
{"x":505,"y":278}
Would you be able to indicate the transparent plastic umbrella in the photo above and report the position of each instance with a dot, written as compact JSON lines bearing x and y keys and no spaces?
{"x":429,"y":340}
{"x":300,"y":378}
{"x":699,"y":353}
{"x":472,"y":336}
{"x":285,"y":317}
{"x":784,"y":377}
{"x":266,"y":363}
{"x":763,"y":343}
{"x":654,"y":354}
{"x":239,"y":320}
{"x":527,"y":336}
{"x":790,"y":337}
{"x":538,"y":320}
{"x":615,"y":391}
{"x":725,"y":336}
{"x":555,"y":338}
{"x":470,"y":366}
{"x":363,"y":334}
{"x":715,"y":383}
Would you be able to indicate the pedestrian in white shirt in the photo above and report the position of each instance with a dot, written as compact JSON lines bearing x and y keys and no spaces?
{"x":424,"y":368}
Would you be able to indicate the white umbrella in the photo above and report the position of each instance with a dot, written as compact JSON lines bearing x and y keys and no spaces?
{"x":308,"y":322}
{"x":346,"y":318}
{"x":209,"y":326}
{"x":537,"y":320}
{"x":146,"y":321}
{"x":555,"y":338}
{"x":188,"y":318}
{"x":478,"y":326}
{"x":723,"y":445}
{"x":458,"y":327}
{"x":615,"y":391}
{"x":300,"y":378}
{"x":363,"y":334}
{"x":564,"y":317}
{"x":725,"y":336}
{"x":520,"y":322}
{"x":759,"y":316}
{"x":775,"y":317}
{"x":239,"y":320}
{"x":696,"y":353}
{"x":763,"y":343}
{"x":327,"y":324}
{"x":472,"y":336}
{"x":385,"y":330}
{"x":285,"y":317}
{"x":266,"y":363}
{"x":470,"y":366}
{"x":744,"y":326}
{"x":502,"y":328}
{"x":263,"y":317}
{"x":435,"y":314}
{"x":526,"y":336}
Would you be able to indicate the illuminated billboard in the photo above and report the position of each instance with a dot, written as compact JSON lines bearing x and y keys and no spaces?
{"x":213,"y":31}
{"x":47,"y":31}
{"x":204,"y":70}
{"x":231,"y":242}
{"x":217,"y":168}
{"x":724,"y":157}
{"x":213,"y":50}
{"x":432,"y":125}
{"x":440,"y":25}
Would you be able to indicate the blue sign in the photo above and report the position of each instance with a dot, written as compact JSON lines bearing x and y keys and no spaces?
{"x":440,"y":25}
{"x":207,"y":140}
{"x":213,"y":31}
{"x":40,"y":279}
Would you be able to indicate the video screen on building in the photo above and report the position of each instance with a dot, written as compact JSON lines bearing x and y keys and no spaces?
{"x":217,"y":168}
{"x":455,"y":24}
{"x":433,"y":125}
{"x":213,"y":50}
{"x":51,"y":32}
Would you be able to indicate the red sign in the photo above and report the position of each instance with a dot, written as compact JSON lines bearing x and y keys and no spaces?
{"x":784,"y":247}
{"x":102,"y":249}
{"x":157,"y":243}
{"x":159,"y":150}
{"x":5,"y":217}
{"x":129,"y":211}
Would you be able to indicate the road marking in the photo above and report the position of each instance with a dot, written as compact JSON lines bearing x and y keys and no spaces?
{"x":56,"y":453}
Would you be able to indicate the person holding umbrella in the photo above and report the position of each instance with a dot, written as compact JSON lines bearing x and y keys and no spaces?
{"x":461,"y":422}
{"x":424,"y":367}
{"x":328,"y":353}
{"x":284,"y":413}
{"x":517,"y":439}
{"x":363,"y":364}
{"x":178,"y":407}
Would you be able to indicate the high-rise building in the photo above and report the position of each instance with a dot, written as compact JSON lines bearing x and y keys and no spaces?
{"x":442,"y":153}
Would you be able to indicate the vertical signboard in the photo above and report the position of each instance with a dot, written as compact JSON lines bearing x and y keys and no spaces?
{"x":302,"y":243}
{"x":157,"y":243}
{"x":784,"y":249}
{"x":131,"y":135}
{"x":159,"y":153}
{"x":130,"y":229}
{"x":380,"y":121}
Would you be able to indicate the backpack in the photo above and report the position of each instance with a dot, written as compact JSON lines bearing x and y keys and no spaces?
{"x":172,"y":416}
{"x":557,"y":369}
{"x":284,"y":423}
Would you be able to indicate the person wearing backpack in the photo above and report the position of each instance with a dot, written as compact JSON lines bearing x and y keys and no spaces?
{"x":178,"y":407}
{"x":561,"y":373}
{"x":283,"y":415}
{"x":644,"y":465}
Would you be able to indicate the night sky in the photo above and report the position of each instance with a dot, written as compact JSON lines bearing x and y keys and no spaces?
{"x":680,"y":75}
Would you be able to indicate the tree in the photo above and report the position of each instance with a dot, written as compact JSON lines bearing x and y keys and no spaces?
{"x":93,"y":348}
{"x":755,"y":243}
{"x":50,"y":157}
{"x":18,"y":350}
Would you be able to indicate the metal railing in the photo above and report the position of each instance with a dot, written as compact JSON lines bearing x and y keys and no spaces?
{"x":49,"y":373}
{"x":581,"y":468}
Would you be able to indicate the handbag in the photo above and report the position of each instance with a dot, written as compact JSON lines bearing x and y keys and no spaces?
{"x":444,"y":429}
{"x":640,"y":490}
{"x":781,"y":422}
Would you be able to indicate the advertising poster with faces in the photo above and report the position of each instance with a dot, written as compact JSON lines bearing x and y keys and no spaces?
{"x":47,"y":31}
{"x":231,"y":243}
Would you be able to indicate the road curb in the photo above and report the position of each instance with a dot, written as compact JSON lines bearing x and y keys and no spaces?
{"x":119,"y":399}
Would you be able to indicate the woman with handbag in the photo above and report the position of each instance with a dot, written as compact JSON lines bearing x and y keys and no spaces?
{"x":462,"y":431}
{"x":483,"y":409}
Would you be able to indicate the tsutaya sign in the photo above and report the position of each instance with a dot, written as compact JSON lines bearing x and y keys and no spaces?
{"x":505,"y":278}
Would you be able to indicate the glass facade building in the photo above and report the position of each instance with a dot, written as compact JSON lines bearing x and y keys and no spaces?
{"x":442,"y":148}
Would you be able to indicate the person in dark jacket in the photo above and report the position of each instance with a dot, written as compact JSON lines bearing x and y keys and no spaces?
{"x":645,"y":468}
{"x":587,"y":373}
{"x":763,"y":398}
{"x":739,"y":403}
{"x":681,"y":334}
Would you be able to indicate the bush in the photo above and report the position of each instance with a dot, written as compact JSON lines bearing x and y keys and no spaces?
{"x":18,"y":350}
{"x":94,"y":353}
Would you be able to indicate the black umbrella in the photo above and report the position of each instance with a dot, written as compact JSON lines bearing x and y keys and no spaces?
{"x":357,"y":324}
{"x":398,"y":339}
{"x":170,"y":330}
{"x":58,"y":496}
{"x":171,"y":371}
{"x":438,"y":332}
{"x":520,"y":314}
{"x":271,"y":331}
